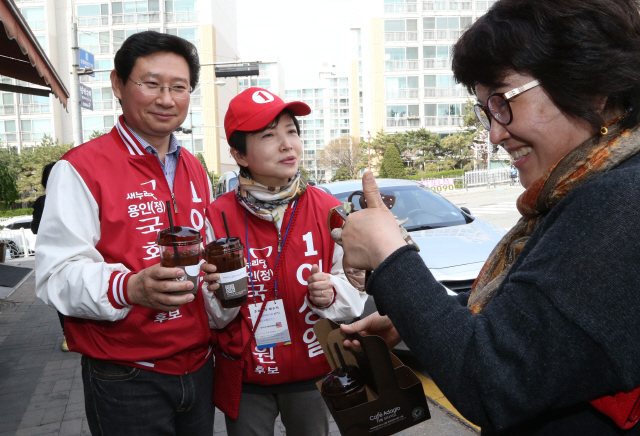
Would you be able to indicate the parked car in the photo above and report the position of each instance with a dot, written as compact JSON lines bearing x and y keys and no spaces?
{"x":12,"y":234}
{"x":227,"y":182}
{"x":453,"y":243}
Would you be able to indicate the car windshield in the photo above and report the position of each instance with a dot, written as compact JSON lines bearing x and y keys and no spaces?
{"x":423,"y":207}
{"x":232,"y":183}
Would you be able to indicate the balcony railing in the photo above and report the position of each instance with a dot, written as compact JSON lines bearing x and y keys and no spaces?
{"x":442,"y":121}
{"x":400,"y":8}
{"x":430,"y":35}
{"x":33,"y":136}
{"x":445,"y":92}
{"x":402,"y":93}
{"x":96,"y":48}
{"x":181,"y":17}
{"x":401,"y":65}
{"x":93,"y":21}
{"x":35,"y":108}
{"x":8,"y":109}
{"x":403,"y":122}
{"x":9,"y":137}
{"x":36,"y":24}
{"x":400,"y":36}
{"x":99,"y":105}
{"x":140,"y":17}
{"x":437,"y":63}
{"x":443,"y":5}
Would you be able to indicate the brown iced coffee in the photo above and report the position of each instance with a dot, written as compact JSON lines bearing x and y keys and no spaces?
{"x":344,"y":387}
{"x":227,"y":255}
{"x":181,"y":249}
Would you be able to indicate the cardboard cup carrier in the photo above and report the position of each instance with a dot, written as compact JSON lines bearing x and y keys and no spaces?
{"x":395,"y":397}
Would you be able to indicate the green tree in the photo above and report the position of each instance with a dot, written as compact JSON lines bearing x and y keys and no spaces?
{"x":422,"y":147}
{"x":392,"y":166}
{"x":458,"y":154}
{"x":95,"y":134}
{"x":8,"y":188}
{"x":32,"y":163}
{"x":341,"y":174}
{"x":204,"y":165}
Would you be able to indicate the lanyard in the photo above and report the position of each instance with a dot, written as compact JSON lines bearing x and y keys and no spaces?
{"x":246,"y":226}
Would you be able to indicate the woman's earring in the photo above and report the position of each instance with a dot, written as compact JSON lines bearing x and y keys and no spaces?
{"x":603,"y":130}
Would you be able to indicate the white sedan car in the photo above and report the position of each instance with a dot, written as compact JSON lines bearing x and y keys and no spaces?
{"x":453,"y":243}
{"x":17,"y":232}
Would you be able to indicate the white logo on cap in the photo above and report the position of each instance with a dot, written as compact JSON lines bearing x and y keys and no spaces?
{"x":262,"y":97}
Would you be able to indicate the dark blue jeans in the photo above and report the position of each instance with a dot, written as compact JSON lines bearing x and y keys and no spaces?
{"x":122,"y":400}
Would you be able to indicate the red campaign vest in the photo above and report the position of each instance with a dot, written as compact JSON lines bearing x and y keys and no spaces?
{"x":308,"y":243}
{"x":131,"y":191}
{"x":623,"y":408}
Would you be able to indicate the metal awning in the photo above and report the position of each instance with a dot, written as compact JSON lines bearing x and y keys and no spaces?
{"x":22,"y":58}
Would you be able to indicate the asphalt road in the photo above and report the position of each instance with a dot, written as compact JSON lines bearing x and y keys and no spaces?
{"x":497,"y":205}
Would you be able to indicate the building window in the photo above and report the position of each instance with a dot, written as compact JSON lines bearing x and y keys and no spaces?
{"x":8,"y":131}
{"x":102,"y":124}
{"x":93,"y":15}
{"x":180,"y":11}
{"x":35,"y":17}
{"x":188,"y":33}
{"x":95,"y":42}
{"x":34,"y":130}
{"x":102,"y":98}
{"x":34,"y":104}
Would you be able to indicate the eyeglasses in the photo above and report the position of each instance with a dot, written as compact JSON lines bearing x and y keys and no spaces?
{"x":498,"y":106}
{"x":153,"y":88}
{"x":338,"y":215}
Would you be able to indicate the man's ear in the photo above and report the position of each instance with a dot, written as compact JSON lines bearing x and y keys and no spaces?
{"x":116,"y":84}
{"x":239,"y":157}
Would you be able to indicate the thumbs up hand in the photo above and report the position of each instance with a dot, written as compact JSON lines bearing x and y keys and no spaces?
{"x":372,"y":234}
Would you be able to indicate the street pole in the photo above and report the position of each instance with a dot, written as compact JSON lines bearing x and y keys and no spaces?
{"x":369,"y":149}
{"x":193,"y":146}
{"x":76,"y":108}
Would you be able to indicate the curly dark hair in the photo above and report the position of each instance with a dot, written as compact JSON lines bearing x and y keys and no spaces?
{"x":581,"y":51}
{"x":147,"y":43}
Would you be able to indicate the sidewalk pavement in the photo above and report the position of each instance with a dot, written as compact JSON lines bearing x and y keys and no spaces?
{"x":41,"y":391}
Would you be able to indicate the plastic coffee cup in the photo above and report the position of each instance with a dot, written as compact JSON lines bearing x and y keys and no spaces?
{"x":344,"y":387}
{"x":181,"y":249}
{"x":227,"y":255}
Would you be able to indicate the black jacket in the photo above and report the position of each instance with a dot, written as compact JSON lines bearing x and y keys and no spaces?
{"x":562,"y":330}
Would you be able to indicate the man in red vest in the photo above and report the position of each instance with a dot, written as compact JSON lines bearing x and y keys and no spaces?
{"x":147,"y":366}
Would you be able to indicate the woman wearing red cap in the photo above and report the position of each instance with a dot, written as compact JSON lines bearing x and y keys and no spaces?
{"x":280,"y":221}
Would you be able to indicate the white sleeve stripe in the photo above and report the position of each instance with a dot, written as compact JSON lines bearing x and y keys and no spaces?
{"x":114,"y":289}
{"x":127,"y":138}
{"x":125,"y":142}
{"x":121,"y":289}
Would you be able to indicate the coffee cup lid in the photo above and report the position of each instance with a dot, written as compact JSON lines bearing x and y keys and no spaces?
{"x":181,"y":235}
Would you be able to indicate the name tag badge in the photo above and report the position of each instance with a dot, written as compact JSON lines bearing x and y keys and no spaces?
{"x":272,"y":330}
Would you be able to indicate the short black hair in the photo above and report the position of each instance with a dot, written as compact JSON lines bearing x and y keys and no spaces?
{"x":580,"y":51}
{"x":45,"y":173}
{"x":238,"y":139}
{"x":149,"y":42}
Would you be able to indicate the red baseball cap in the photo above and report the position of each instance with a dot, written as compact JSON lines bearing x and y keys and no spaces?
{"x":254,"y":108}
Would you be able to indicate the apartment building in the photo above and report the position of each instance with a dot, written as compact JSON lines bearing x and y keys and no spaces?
{"x":330,"y":118}
{"x":271,"y":77}
{"x":102,"y":27}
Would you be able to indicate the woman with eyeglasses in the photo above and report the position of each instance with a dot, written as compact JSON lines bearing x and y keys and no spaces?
{"x":548,"y":340}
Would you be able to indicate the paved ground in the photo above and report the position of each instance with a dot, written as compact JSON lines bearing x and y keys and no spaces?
{"x":41,"y":386}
